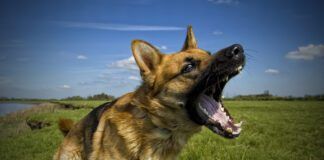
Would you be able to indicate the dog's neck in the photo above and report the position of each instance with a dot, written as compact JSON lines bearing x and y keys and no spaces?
{"x":164,"y":112}
{"x":163,"y":124}
{"x":165,"y":135}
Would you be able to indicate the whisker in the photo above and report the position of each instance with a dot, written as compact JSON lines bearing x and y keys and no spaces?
{"x":249,"y":55}
{"x":248,"y":49}
{"x":246,"y":69}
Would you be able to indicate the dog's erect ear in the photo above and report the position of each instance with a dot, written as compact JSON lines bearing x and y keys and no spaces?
{"x":146,"y":56}
{"x":190,"y":42}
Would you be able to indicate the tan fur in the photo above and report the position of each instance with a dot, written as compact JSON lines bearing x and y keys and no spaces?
{"x":65,"y":125}
{"x":150,"y":123}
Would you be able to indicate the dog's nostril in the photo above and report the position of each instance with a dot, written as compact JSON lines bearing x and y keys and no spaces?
{"x":236,"y":50}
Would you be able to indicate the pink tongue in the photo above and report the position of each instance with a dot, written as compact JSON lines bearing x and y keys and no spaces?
{"x":214,"y":109}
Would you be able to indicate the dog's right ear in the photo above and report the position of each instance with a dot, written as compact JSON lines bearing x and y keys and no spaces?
{"x":147,"y":58}
{"x":190,"y":42}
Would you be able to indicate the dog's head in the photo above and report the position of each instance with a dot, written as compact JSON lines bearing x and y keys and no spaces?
{"x":191,"y":81}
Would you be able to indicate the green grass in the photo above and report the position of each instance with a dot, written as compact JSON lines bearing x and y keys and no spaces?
{"x":83,"y":103}
{"x":272,"y":130}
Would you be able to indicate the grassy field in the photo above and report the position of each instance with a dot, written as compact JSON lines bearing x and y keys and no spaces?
{"x":272,"y":130}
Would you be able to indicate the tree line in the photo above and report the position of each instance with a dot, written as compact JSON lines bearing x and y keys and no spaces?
{"x":262,"y":97}
{"x":100,"y":96}
{"x":104,"y":96}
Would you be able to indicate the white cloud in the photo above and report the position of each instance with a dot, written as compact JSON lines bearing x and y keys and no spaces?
{"x":82,"y":57}
{"x":217,"y":33}
{"x":134,"y":78}
{"x":272,"y":71}
{"x":118,"y":27}
{"x":128,"y":63}
{"x":307,"y":52}
{"x":65,"y":86}
{"x":84,"y":83}
{"x":225,"y":2}
{"x":163,"y":47}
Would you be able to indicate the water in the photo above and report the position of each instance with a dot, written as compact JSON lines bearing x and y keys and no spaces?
{"x":6,"y":108}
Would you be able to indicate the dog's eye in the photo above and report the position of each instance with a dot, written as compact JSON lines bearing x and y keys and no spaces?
{"x":188,"y":67}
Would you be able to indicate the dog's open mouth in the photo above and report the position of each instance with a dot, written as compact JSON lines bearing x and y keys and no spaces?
{"x":205,"y":105}
{"x":211,"y":111}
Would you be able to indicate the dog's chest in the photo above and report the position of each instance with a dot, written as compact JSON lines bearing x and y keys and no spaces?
{"x":167,"y":146}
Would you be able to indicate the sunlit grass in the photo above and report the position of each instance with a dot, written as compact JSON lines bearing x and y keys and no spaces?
{"x":83,"y":103}
{"x":271,"y":130}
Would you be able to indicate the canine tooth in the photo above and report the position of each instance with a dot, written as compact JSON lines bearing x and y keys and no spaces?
{"x":238,"y":131}
{"x":203,"y":109}
{"x":200,"y":106}
{"x":226,"y":78}
{"x":238,"y":124}
{"x":240,"y":68}
{"x":230,"y":130}
{"x":207,"y":112}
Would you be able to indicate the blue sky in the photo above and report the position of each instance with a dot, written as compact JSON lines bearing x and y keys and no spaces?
{"x":54,"y":49}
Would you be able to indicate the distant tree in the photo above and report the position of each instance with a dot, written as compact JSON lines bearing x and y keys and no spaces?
{"x":268,"y":96}
{"x":74,"y":98}
{"x":4,"y":99}
{"x":266,"y":93}
{"x":101,"y":96}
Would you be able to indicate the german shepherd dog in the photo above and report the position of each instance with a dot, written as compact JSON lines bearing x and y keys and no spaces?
{"x":180,"y":93}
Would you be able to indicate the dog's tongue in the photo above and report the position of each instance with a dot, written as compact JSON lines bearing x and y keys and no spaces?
{"x":214,"y":111}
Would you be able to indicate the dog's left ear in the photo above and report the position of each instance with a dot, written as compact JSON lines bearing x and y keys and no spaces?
{"x":147,"y":58}
{"x":190,"y":42}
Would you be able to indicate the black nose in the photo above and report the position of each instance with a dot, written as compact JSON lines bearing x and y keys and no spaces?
{"x":234,"y":51}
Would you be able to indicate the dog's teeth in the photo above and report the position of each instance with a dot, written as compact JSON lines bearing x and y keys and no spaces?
{"x":206,"y":111}
{"x":203,"y":109}
{"x":240,"y":68}
{"x":226,"y":79}
{"x":229,"y":130}
{"x":238,"y":131}
{"x":238,"y":124}
{"x":222,"y":109}
{"x":200,"y":107}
